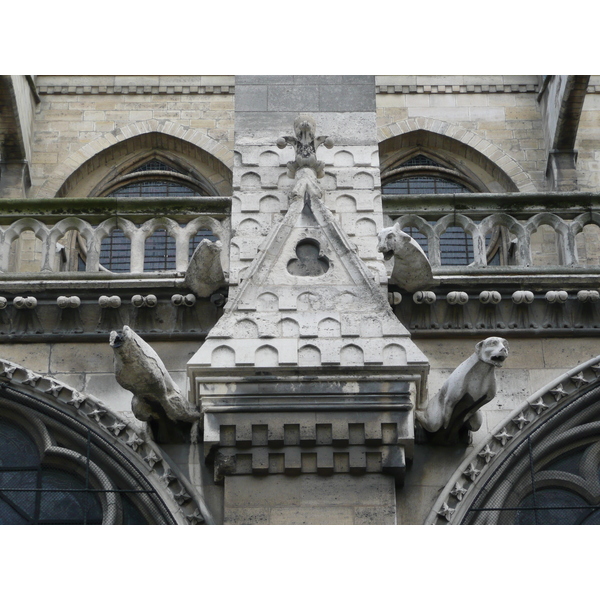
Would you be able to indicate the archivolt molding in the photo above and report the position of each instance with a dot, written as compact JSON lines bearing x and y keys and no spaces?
{"x":496,"y":155}
{"x":463,"y":487}
{"x":76,"y":159}
{"x":132,"y":441}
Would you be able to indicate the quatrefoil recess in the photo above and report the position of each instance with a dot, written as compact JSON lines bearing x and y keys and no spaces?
{"x":309,"y":262}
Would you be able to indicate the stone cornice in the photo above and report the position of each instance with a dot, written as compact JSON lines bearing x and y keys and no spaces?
{"x":457,"y":89}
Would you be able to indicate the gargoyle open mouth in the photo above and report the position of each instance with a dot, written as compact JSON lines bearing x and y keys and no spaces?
{"x":498,"y":359}
{"x":116,"y":339}
{"x":387,"y":254}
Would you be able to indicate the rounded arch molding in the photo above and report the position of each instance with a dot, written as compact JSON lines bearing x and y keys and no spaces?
{"x":479,"y":149}
{"x":569,"y":405}
{"x":217,"y":153}
{"x":28,"y":397}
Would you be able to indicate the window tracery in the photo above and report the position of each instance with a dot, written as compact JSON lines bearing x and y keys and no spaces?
{"x":421,"y":174}
{"x":54,"y":473}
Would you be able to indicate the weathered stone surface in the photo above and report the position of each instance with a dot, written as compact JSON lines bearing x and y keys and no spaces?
{"x":412,"y":270}
{"x":471,"y":385}
{"x":140,"y":370}
{"x":204,"y":274}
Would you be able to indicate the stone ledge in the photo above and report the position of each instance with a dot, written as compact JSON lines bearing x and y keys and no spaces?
{"x":457,"y":89}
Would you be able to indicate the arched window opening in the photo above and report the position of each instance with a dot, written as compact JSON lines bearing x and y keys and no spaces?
{"x":419,"y":237}
{"x":588,"y":245}
{"x":72,"y":252}
{"x":547,"y":476}
{"x":544,"y":247}
{"x":421,"y":174}
{"x":115,"y":252}
{"x":456,"y":247}
{"x":159,"y":254}
{"x":157,"y":179}
{"x":33,"y":494}
{"x":55,"y":469}
{"x":155,"y":188}
{"x":25,"y":255}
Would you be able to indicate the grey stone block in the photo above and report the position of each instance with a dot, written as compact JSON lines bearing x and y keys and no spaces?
{"x":253,"y":128}
{"x":317,"y":79}
{"x":106,"y":388}
{"x":359,"y":80}
{"x":294,"y":97}
{"x":351,"y":98}
{"x":375,"y":515}
{"x":325,"y":515}
{"x":246,"y":516}
{"x":251,"y":98}
{"x":241,"y":80}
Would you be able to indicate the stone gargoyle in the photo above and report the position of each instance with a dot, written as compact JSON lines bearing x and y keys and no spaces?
{"x":204,"y":274}
{"x":305,"y":167}
{"x":453,"y":412}
{"x":411,"y":271}
{"x":156,"y":397}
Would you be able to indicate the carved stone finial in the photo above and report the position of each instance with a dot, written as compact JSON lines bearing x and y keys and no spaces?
{"x":305,"y":143}
{"x":305,"y":167}
{"x":453,"y":412}
{"x":140,"y":370}
{"x":412,"y":270}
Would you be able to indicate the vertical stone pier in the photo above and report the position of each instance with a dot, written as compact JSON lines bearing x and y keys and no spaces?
{"x":308,"y":380}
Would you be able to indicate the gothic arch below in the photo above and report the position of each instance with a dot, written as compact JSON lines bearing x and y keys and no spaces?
{"x":73,"y":177}
{"x":549,"y":413}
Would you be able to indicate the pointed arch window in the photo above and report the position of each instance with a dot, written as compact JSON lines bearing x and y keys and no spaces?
{"x":152,"y":179}
{"x":421,"y":174}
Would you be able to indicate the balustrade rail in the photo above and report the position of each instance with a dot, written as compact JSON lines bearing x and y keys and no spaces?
{"x":520,"y":216}
{"x":94,"y":220}
{"x":480,"y":216}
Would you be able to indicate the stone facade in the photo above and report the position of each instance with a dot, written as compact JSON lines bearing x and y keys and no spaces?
{"x":307,"y":376}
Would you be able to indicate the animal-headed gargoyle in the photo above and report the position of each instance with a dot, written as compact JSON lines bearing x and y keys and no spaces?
{"x":156,"y":397}
{"x":412,"y":271}
{"x":451,"y":415}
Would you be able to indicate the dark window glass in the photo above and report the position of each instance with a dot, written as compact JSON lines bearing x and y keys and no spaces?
{"x":420,"y":238}
{"x":456,"y":247}
{"x":115,"y":252}
{"x":154,"y":165}
{"x":424,"y":185}
{"x":17,"y":449}
{"x":555,"y":506}
{"x":33,"y":494}
{"x":153,"y":188}
{"x":159,"y":253}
